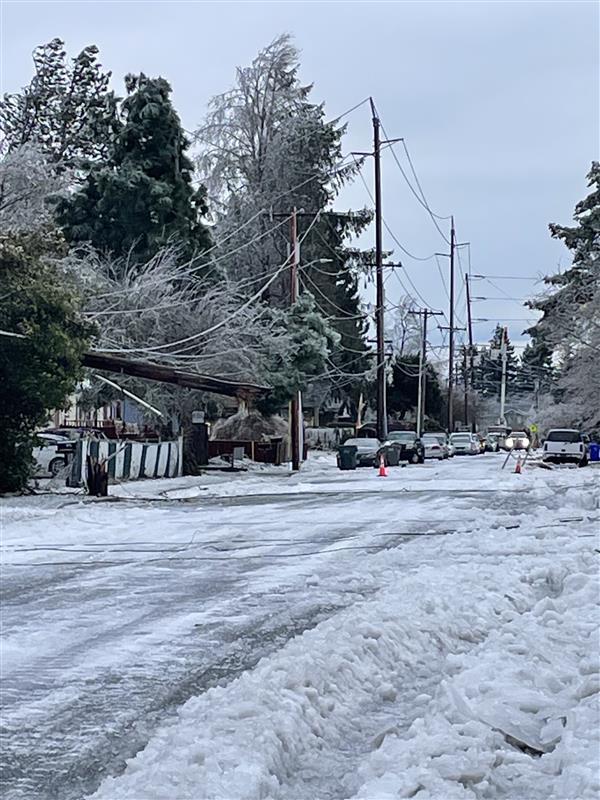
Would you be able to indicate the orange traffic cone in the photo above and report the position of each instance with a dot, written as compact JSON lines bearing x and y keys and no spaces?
{"x":518,"y":466}
{"x":382,"y":469}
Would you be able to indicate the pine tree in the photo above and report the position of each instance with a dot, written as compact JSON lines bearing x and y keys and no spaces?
{"x":535,"y":371}
{"x":38,"y":371}
{"x":265,"y":150}
{"x":142,"y":197}
{"x":569,"y":328}
{"x":67,"y":111}
{"x":487,"y":373}
{"x":573,"y":290}
{"x":402,"y":395}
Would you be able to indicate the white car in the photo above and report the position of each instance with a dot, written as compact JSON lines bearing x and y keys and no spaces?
{"x":48,"y":461}
{"x":465,"y":444}
{"x":444,"y":440}
{"x":517,"y":440}
{"x":564,"y":444}
{"x":434,"y":446}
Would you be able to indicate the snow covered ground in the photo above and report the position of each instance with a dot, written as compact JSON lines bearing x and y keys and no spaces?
{"x":433,"y":634}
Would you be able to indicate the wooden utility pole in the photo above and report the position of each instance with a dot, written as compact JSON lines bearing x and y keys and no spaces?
{"x":382,"y":427}
{"x":503,"y":356}
{"x":451,"y":333}
{"x":466,"y":385}
{"x":471,"y":353}
{"x":294,"y":412}
{"x":422,"y":386}
{"x":422,"y":378}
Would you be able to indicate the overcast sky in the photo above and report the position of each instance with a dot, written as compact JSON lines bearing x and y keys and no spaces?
{"x":498,"y":103}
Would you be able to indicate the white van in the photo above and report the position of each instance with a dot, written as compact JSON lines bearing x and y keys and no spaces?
{"x":564,"y":445}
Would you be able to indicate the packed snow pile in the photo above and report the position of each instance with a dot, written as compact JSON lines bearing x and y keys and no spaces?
{"x":518,"y":716}
{"x":471,"y":677}
{"x":250,"y":426}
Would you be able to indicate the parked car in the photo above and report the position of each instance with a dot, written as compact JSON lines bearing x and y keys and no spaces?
{"x":492,"y":443}
{"x":367,"y":451}
{"x":444,"y":439}
{"x":75,"y":433}
{"x":435,"y":447}
{"x":500,"y":432}
{"x":50,"y":454}
{"x":411,"y":447}
{"x":563,"y":445}
{"x":517,"y":440}
{"x":465,"y":444}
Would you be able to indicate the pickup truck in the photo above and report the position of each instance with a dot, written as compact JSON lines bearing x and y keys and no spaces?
{"x":564,"y":445}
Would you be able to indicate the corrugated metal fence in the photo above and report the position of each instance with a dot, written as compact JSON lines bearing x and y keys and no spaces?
{"x":127,"y":460}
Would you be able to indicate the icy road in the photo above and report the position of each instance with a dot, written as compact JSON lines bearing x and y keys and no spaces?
{"x":432,"y":634}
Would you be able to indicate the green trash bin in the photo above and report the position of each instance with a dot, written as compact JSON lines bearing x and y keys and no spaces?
{"x":346,"y":456}
{"x":391,"y":455}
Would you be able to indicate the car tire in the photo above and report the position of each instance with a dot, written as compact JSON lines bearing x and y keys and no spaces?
{"x":583,"y":462}
{"x":56,"y":465}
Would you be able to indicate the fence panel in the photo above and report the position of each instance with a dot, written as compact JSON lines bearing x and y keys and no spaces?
{"x":127,"y":460}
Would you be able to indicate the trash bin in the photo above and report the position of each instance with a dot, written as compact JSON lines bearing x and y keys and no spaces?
{"x":594,"y":451}
{"x":347,"y":456}
{"x":391,"y":455}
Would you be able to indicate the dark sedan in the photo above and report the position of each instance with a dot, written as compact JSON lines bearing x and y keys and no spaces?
{"x":367,"y":451}
{"x":411,"y":447}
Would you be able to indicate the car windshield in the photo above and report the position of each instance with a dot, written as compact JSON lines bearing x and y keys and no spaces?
{"x":564,"y":436}
{"x":429,"y":437}
{"x":402,"y":436}
{"x":460,"y":437}
{"x":441,"y":437}
{"x":519,"y":435}
{"x":362,"y":442}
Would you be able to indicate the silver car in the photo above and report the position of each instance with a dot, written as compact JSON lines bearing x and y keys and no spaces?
{"x":465,"y":444}
{"x":435,"y":447}
{"x":48,"y":460}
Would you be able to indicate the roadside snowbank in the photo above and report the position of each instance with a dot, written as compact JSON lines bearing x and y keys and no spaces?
{"x":505,"y":632}
{"x":515,"y":718}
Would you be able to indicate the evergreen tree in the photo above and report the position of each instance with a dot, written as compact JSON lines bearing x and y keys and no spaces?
{"x":37,"y":372}
{"x":67,"y":111}
{"x":265,"y":150}
{"x":569,"y":328}
{"x":487,"y":372}
{"x":535,"y":370}
{"x":142,"y":197}
{"x":402,"y":394}
{"x":306,"y":346}
{"x":573,"y":290}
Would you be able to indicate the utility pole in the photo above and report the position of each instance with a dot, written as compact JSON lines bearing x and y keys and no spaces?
{"x":466,"y":385}
{"x":451,"y":332}
{"x":422,"y":386}
{"x":382,"y":423}
{"x":422,"y":379}
{"x":503,"y":355}
{"x":382,"y":427}
{"x":451,"y":376}
{"x":296,"y":399}
{"x":471,"y":353}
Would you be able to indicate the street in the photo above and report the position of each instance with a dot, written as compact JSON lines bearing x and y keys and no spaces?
{"x":323,"y":635}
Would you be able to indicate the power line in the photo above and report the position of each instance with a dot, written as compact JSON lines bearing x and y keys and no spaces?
{"x":220,"y":324}
{"x":400,"y":245}
{"x":421,"y":199}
